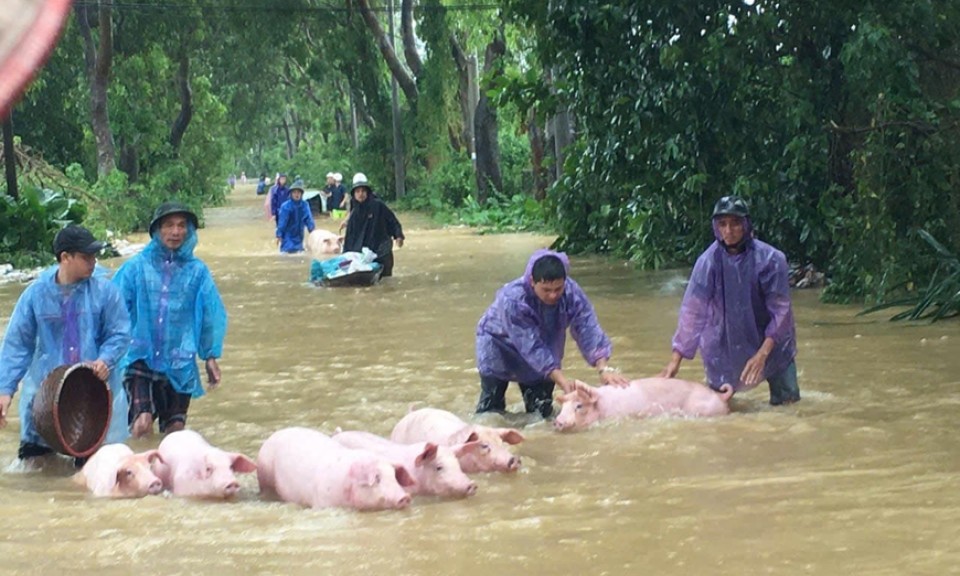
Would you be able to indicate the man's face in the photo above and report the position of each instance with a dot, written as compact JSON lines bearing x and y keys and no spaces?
{"x":296,"y":195}
{"x":78,"y":265}
{"x":330,"y":181}
{"x":549,"y":291}
{"x":282,"y":180}
{"x":173,"y":231}
{"x":360,"y":194}
{"x":731,"y":229}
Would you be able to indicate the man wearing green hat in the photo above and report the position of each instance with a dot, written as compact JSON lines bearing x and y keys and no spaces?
{"x":176,"y":314}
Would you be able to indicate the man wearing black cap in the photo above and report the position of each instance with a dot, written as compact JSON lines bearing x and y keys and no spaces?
{"x":736,"y":310}
{"x":66,"y":316}
{"x":177,"y":315}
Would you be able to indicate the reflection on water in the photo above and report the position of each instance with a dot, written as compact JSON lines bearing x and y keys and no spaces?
{"x":859,"y":478}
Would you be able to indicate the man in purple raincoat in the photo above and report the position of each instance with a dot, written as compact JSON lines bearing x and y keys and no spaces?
{"x":737,"y":311}
{"x":521,"y":336}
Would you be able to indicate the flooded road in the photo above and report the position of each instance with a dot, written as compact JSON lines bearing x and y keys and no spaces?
{"x":861,"y":477}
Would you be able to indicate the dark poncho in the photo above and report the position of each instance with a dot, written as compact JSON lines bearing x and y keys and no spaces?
{"x":372,"y":225}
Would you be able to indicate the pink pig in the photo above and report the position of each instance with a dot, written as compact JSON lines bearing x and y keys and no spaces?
{"x":435,"y":468}
{"x":641,"y":398}
{"x":115,"y":471}
{"x":308,"y":468}
{"x":192,"y":467}
{"x":323,"y":243}
{"x":478,"y":448}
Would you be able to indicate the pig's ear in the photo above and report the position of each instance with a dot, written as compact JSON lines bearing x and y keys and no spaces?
{"x":428,"y":454}
{"x":465,"y":436}
{"x":242,"y":464}
{"x":153,"y":456}
{"x":510,"y":436}
{"x":403,"y":477}
{"x":124,"y":475}
{"x":591,"y":394}
{"x":461,"y":450}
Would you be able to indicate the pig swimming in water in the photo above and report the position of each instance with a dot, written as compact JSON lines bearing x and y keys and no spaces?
{"x":114,"y":471}
{"x":478,"y":448}
{"x":435,"y":469}
{"x":192,"y":467}
{"x":306,"y":467}
{"x":642,"y":398}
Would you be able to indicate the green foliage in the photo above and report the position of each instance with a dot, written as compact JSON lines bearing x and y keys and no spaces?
{"x":519,"y":212}
{"x":28,"y":226}
{"x":940,"y":299}
{"x":838,"y":123}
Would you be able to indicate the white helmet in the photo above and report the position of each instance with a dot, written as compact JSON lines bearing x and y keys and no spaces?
{"x":359,"y":177}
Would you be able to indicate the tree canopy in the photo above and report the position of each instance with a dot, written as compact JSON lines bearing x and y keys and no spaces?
{"x":620,"y":121}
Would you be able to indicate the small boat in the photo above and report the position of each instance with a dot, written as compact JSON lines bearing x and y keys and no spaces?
{"x":362,"y":278}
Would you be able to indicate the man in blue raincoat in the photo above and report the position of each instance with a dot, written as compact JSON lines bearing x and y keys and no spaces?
{"x":737,"y":310}
{"x":68,"y":315}
{"x":176,"y":314}
{"x":521,"y":336}
{"x":294,"y":216}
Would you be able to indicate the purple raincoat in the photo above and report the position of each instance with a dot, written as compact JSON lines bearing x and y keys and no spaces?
{"x":521,"y":339}
{"x":732,"y":303}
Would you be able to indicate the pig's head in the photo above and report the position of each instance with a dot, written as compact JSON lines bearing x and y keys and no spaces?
{"x":215,"y":476}
{"x":375,"y":484}
{"x":484,"y":449}
{"x":135,"y":478}
{"x":438,"y":472}
{"x":578,"y":409}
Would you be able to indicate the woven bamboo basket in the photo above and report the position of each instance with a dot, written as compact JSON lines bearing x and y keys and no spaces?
{"x":72,"y":410}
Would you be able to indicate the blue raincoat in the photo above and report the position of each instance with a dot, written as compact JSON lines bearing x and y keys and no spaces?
{"x":521,"y":339}
{"x":54,"y":325}
{"x":278,"y":195}
{"x":733,"y":302}
{"x":290,"y":223}
{"x":175,"y":310}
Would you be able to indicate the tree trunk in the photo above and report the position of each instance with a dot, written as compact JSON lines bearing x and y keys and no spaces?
{"x":288,"y":137}
{"x":537,"y":147}
{"x":186,"y":103}
{"x":98,"y":61}
{"x":463,"y":96}
{"x":9,"y":156}
{"x":129,"y":160}
{"x":404,"y":79}
{"x":486,"y":126}
{"x":409,"y":39}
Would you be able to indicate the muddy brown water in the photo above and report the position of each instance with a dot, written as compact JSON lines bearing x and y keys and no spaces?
{"x":861,"y":477}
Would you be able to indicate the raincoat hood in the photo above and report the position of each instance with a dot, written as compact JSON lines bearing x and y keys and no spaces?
{"x":156,"y":250}
{"x":747,"y":232}
{"x":528,"y":273}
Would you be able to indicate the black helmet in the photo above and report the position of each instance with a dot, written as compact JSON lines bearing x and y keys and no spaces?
{"x":731,"y":206}
{"x":168,"y":208}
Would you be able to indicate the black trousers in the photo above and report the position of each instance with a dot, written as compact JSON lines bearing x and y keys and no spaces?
{"x":537,"y":396}
{"x":387,"y":262}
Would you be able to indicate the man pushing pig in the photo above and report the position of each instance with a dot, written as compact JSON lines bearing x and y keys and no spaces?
{"x":737,"y":312}
{"x":521,"y":336}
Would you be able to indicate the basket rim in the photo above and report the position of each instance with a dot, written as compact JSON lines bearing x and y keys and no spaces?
{"x":58,"y":428}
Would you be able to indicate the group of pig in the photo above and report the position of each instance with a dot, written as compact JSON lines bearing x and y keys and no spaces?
{"x":430,"y":452}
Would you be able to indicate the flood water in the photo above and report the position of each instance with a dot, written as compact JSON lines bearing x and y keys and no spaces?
{"x":861,"y":477}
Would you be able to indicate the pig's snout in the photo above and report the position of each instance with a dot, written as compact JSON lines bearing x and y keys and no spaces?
{"x":404,"y":501}
{"x":231,"y":489}
{"x":471,"y":489}
{"x":514,"y":464}
{"x":561,"y":425}
{"x":155,"y":487}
